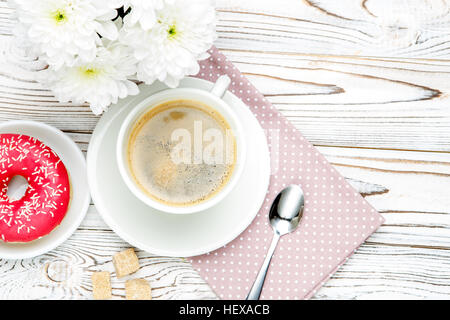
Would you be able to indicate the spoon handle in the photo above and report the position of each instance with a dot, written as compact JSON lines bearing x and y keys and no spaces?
{"x":256,"y":289}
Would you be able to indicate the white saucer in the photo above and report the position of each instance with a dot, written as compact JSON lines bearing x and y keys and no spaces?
{"x":75,"y":163}
{"x":166,"y":234}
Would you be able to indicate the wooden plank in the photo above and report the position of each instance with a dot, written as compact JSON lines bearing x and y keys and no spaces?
{"x":391,"y":272}
{"x":376,"y":28}
{"x":349,"y":101}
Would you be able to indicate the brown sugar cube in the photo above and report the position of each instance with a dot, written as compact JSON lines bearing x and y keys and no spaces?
{"x":138,"y":289}
{"x":125,"y":262}
{"x":101,"y":285}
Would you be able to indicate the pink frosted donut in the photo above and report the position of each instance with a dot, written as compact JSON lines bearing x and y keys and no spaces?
{"x":47,"y":197}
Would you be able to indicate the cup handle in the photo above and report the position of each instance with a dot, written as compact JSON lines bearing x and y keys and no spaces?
{"x":221,"y":86}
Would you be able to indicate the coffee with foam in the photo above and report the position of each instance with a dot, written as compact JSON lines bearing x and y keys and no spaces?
{"x":181,"y":153}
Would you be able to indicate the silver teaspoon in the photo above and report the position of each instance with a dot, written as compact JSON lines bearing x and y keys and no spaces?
{"x":284,"y":217}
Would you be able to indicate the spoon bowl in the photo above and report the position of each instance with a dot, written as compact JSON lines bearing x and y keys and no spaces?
{"x":287,"y":210}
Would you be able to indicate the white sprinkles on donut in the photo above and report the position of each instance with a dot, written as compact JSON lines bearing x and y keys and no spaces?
{"x":47,"y":197}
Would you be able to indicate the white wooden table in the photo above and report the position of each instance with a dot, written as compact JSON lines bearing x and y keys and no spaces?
{"x":367,"y":81}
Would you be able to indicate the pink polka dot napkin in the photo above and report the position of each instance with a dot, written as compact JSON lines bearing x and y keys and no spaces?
{"x":336,"y":218}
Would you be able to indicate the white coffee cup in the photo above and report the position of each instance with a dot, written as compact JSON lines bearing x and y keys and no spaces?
{"x":212,"y":99}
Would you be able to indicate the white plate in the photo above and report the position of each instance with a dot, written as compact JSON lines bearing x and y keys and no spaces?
{"x":167,"y":234}
{"x":75,"y":163}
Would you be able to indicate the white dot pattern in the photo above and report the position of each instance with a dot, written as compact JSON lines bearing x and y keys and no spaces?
{"x":336,"y":218}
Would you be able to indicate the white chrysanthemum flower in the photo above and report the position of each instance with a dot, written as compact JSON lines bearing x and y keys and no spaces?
{"x":99,"y":83}
{"x":63,"y":31}
{"x":170,"y":50}
{"x":142,"y":11}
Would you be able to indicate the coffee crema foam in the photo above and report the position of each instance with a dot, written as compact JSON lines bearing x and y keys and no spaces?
{"x":151,"y":148}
